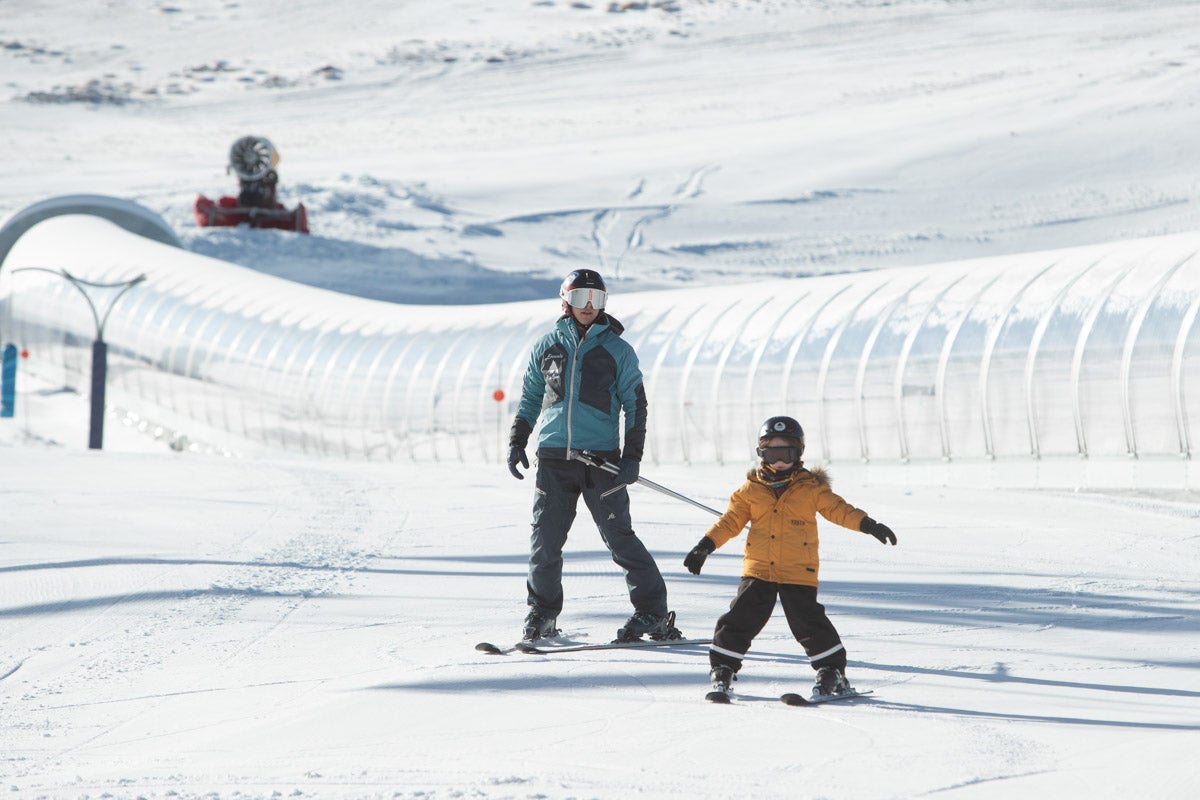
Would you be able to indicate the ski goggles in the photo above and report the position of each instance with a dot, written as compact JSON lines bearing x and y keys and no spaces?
{"x":579,"y":298}
{"x":786,"y":454}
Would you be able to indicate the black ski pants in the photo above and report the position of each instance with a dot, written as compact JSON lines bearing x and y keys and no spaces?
{"x":560,"y":483}
{"x":753,"y":606}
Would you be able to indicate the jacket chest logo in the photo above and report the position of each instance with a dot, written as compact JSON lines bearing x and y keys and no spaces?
{"x":553,"y":365}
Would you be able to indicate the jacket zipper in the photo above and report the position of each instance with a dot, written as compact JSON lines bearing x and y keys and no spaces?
{"x":571,"y":380}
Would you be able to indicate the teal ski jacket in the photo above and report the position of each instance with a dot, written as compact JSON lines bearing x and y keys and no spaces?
{"x":579,"y":385}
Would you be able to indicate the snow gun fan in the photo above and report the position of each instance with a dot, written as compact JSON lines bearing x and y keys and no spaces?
{"x":252,"y":157}
{"x":253,"y":160}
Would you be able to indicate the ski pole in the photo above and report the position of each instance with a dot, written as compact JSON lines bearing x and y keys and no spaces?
{"x":588,"y":457}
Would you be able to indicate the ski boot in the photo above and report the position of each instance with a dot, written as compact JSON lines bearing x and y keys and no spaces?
{"x":722,"y":682}
{"x":830,"y":680}
{"x":539,"y":626}
{"x":656,"y":627}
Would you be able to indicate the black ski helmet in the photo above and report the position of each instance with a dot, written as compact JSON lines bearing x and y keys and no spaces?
{"x":582,"y":279}
{"x":786,"y":427}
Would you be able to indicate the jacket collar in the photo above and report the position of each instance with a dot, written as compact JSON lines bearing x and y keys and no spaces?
{"x":604,"y":322}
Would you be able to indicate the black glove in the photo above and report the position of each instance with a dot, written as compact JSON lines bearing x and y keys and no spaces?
{"x":696,"y":557}
{"x":516,"y":454}
{"x":627,"y":471}
{"x":877,"y":529}
{"x":518,"y":437}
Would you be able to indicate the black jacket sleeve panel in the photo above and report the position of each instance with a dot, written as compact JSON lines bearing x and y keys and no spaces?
{"x":518,"y":435}
{"x":635,"y":434}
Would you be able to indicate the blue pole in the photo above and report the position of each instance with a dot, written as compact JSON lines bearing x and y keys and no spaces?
{"x":8,"y":381}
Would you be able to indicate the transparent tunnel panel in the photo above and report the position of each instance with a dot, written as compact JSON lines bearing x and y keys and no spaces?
{"x":1090,"y":351}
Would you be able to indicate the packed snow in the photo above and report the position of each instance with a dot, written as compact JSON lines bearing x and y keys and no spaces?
{"x":175,"y":625}
{"x":455,"y":143}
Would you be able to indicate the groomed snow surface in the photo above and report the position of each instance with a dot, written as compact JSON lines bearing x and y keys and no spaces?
{"x":178,"y":626}
{"x":496,"y":145}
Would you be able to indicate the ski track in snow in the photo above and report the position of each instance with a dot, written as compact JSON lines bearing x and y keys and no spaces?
{"x":349,"y":595}
{"x":175,"y":626}
{"x":751,"y":105}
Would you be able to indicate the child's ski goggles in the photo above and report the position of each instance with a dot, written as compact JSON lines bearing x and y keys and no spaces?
{"x":786,"y":454}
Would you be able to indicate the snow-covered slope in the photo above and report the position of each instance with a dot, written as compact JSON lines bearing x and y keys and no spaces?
{"x":461,"y":142}
{"x":174,"y":626}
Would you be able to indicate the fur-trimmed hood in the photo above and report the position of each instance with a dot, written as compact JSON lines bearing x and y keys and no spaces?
{"x":817,"y":474}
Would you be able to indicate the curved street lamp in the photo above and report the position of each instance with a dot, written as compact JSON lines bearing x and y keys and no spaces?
{"x":99,"y":347}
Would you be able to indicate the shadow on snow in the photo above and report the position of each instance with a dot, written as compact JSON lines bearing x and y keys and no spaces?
{"x":933,"y":604}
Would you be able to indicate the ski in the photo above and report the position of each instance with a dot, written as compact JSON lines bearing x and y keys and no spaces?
{"x":793,"y":699}
{"x":531,"y":649}
{"x":497,"y":650}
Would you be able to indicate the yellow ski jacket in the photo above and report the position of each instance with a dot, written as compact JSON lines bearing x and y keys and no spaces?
{"x":782,"y":545}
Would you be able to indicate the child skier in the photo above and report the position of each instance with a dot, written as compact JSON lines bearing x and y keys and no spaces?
{"x":780,"y":500}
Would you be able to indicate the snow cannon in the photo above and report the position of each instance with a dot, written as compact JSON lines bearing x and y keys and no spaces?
{"x":253,"y":160}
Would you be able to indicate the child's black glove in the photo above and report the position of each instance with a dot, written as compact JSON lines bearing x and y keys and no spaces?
{"x":695,"y":558}
{"x":877,"y":529}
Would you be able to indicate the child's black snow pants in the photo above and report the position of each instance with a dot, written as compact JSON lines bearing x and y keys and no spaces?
{"x":752,"y":607}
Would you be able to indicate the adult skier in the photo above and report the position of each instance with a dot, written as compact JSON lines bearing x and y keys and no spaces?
{"x":581,"y":378}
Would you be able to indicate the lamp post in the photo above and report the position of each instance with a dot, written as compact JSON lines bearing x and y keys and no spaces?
{"x":99,"y":346}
